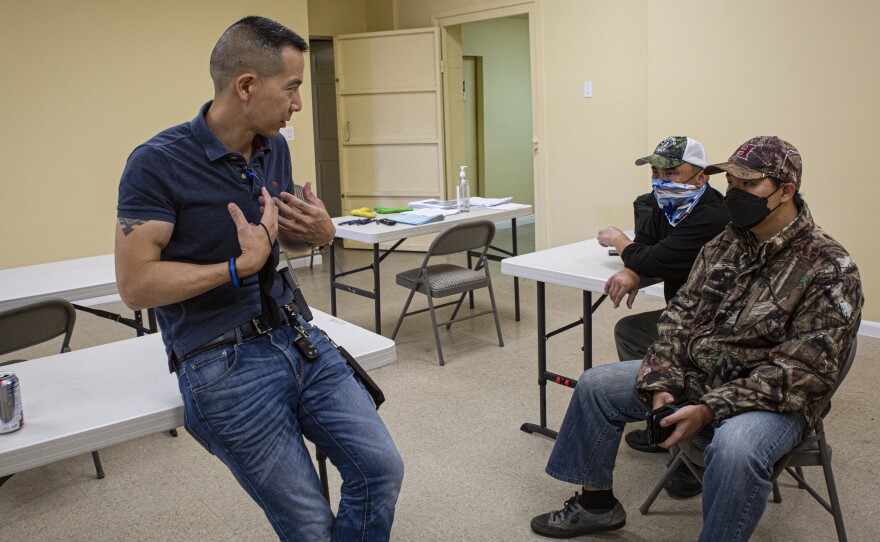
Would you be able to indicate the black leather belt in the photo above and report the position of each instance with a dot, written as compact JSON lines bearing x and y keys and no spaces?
{"x":248,"y":330}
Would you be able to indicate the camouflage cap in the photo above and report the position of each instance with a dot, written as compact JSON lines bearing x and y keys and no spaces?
{"x":763,"y":156}
{"x":674,"y":151}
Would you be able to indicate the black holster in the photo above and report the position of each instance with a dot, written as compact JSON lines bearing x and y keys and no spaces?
{"x":304,"y":311}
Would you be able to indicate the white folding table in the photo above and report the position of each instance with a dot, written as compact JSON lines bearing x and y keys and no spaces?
{"x":374,"y":234}
{"x":80,"y":279}
{"x":584,"y":265}
{"x":96,"y":397}
{"x":73,"y":280}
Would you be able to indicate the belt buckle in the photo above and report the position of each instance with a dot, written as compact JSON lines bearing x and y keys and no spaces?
{"x":260,"y":330}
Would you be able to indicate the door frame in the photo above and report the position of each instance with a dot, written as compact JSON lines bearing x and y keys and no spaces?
{"x":476,"y":94}
{"x":320,"y":182}
{"x":470,"y":14}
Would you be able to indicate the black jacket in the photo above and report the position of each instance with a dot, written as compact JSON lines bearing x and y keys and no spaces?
{"x":667,"y":253}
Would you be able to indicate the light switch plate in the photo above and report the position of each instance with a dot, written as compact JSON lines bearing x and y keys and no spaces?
{"x":588,"y":89}
{"x":287,"y":132}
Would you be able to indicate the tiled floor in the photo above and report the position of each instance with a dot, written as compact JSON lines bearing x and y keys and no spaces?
{"x":471,"y":474}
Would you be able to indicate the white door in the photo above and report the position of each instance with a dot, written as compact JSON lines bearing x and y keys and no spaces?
{"x":389,"y":108}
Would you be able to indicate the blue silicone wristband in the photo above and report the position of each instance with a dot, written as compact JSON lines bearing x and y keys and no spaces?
{"x":232,"y":272}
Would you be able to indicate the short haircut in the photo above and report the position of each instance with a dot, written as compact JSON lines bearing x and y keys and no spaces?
{"x":253,"y":43}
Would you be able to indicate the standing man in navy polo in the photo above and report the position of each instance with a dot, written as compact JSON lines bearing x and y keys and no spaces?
{"x":202,"y":209}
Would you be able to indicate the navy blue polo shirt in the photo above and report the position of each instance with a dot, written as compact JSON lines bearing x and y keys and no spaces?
{"x":185,"y":176}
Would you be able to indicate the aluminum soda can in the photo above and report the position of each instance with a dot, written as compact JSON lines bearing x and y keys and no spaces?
{"x":11,"y":415}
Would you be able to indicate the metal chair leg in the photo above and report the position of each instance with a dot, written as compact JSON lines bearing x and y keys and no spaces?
{"x":434,"y":327}
{"x":800,"y":473}
{"x":402,"y":314}
{"x":824,"y":453}
{"x":322,"y":473}
{"x":495,"y":314}
{"x":670,"y":470}
{"x":99,"y":469}
{"x":455,"y":311}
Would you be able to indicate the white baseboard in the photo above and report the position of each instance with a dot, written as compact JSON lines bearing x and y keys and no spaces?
{"x":870,"y":329}
{"x":505,"y":224}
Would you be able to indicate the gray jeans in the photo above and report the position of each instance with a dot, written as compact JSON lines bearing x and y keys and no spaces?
{"x":635,"y":333}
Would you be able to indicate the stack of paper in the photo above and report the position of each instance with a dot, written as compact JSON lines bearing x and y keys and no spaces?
{"x":433,"y":212}
{"x":477,"y":201}
{"x":434,"y":204}
{"x":414,"y":219}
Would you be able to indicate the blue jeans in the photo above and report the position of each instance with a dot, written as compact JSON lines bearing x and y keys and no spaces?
{"x":739,"y":461}
{"x":251,"y":404}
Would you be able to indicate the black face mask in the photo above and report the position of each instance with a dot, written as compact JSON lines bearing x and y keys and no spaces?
{"x":746,"y":209}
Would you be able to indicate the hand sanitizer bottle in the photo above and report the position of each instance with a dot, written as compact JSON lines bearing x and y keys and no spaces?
{"x":462,"y":193}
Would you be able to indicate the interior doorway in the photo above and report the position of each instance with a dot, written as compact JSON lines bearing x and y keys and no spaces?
{"x":501,"y":139}
{"x":490,"y":128}
{"x":527,"y":17}
{"x":472,"y":98}
{"x":324,"y":113}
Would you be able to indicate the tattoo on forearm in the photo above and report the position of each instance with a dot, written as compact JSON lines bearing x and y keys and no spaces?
{"x":128,"y":224}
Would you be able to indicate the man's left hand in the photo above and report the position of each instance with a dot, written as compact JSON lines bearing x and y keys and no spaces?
{"x":612,"y":237}
{"x":687,"y":420}
{"x":305,"y":221}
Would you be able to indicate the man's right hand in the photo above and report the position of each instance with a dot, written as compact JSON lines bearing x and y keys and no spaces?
{"x":255,"y":244}
{"x":624,"y":282}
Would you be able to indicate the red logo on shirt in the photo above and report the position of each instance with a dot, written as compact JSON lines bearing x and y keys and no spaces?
{"x":274,"y":183}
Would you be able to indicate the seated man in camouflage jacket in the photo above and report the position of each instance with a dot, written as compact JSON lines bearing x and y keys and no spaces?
{"x":752,"y":340}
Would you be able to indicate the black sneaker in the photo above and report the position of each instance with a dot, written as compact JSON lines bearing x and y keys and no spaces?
{"x":638,"y":440}
{"x":573,"y":520}
{"x":682,"y":484}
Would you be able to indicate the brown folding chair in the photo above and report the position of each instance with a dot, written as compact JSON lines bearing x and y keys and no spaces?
{"x":36,"y":323}
{"x":445,"y":279}
{"x":812,"y":451}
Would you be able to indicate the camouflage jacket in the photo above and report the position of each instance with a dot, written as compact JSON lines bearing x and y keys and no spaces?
{"x":758,"y":327}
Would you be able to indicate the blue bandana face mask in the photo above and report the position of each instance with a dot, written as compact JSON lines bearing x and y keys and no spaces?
{"x":676,"y":200}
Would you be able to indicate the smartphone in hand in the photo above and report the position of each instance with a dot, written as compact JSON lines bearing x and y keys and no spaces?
{"x":656,"y":432}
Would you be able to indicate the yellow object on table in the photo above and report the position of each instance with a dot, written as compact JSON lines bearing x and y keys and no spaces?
{"x":364,"y":212}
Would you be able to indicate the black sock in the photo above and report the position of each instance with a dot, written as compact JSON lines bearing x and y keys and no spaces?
{"x":598,"y":501}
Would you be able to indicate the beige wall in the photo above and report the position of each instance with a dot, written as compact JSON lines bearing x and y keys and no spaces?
{"x":379,"y":15}
{"x":507,"y":106}
{"x":84,"y":83}
{"x":805,"y":70}
{"x":590,"y":143}
{"x":329,"y":18}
